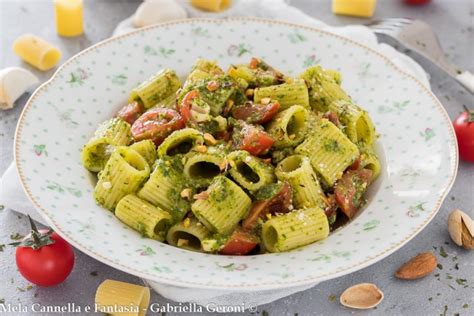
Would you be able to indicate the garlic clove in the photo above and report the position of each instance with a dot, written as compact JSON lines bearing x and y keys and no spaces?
{"x":362,"y":296}
{"x":156,"y":11}
{"x":461,"y":229}
{"x":14,"y":81}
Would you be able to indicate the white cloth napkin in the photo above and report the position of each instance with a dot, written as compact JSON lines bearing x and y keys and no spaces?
{"x":13,"y":197}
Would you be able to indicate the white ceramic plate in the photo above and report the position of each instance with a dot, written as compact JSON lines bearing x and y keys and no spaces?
{"x":416,"y":139}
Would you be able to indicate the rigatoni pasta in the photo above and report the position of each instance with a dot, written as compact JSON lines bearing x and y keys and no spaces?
{"x":150,"y":221}
{"x":97,"y":151}
{"x":329,"y":150}
{"x":249,"y":171}
{"x":295,"y":229}
{"x":223,"y":205}
{"x":123,"y":174}
{"x":236,"y":162}
{"x":300,"y":175}
{"x":288,"y":94}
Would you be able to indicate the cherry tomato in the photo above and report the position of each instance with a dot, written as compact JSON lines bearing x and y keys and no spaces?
{"x":349,"y":190}
{"x":464,"y":128}
{"x":240,"y":243}
{"x":280,"y":202}
{"x":186,"y":104}
{"x":256,"y":142}
{"x":131,"y":112}
{"x":256,"y":113}
{"x":43,"y":257}
{"x":156,"y":124}
{"x":356,"y":164}
{"x":416,"y":2}
{"x":251,"y":138}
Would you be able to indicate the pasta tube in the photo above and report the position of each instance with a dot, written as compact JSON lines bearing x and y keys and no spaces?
{"x":188,"y":234}
{"x":211,"y":5}
{"x":295,"y":229}
{"x":114,"y":132}
{"x":249,"y":171}
{"x":123,"y":174}
{"x":148,"y":220}
{"x":297,"y":171}
{"x":288,"y":94}
{"x":358,"y":125}
{"x":156,"y":89}
{"x":36,"y":51}
{"x":114,"y":295}
{"x":180,"y":142}
{"x":223,"y":206}
{"x":202,"y":168}
{"x":329,"y":150}
{"x":289,"y":127}
{"x":369,"y":160}
{"x":163,"y":188}
{"x":146,"y":148}
{"x":324,"y":87}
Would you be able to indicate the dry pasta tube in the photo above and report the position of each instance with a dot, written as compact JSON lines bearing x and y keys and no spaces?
{"x":36,"y":51}
{"x":120,"y":298}
{"x":211,"y":5}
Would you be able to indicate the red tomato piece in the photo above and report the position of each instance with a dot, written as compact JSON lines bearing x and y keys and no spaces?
{"x":464,"y":128}
{"x":349,"y":190}
{"x":416,"y":2}
{"x":356,"y":164}
{"x":240,"y":242}
{"x":251,"y":138}
{"x":186,"y":104}
{"x":156,"y":124}
{"x":43,"y":257}
{"x":256,"y":113}
{"x":131,"y":112}
{"x":278,"y":203}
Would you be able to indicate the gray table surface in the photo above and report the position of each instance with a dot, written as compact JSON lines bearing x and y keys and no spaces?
{"x":443,"y":293}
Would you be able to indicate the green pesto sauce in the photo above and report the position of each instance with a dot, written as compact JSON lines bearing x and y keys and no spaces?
{"x":268,"y":191}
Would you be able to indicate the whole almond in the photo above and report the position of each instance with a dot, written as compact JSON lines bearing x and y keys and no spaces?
{"x":418,"y":267}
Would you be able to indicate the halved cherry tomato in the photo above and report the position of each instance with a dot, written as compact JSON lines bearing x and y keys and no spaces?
{"x":349,"y":190}
{"x":240,"y":243}
{"x":256,"y":142}
{"x":331,"y":209}
{"x":185,"y":106}
{"x":251,"y":138}
{"x":256,"y":113}
{"x":131,"y":112}
{"x":156,"y":124}
{"x":464,"y":128}
{"x":280,"y":202}
{"x":356,"y":164}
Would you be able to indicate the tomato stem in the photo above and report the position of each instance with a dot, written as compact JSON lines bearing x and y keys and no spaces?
{"x":37,"y":239}
{"x":470,"y":114}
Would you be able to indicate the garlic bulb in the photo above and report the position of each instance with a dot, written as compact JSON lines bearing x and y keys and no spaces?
{"x":156,"y":11}
{"x":14,"y":81}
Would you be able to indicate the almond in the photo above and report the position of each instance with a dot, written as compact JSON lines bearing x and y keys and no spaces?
{"x":418,"y":267}
{"x":362,"y":296}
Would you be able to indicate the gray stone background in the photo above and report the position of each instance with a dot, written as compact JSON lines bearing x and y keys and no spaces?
{"x":448,"y":291}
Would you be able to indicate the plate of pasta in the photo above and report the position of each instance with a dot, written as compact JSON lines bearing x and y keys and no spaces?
{"x":214,"y":154}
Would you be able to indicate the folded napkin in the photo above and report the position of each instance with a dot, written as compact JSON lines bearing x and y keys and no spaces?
{"x":13,"y":197}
